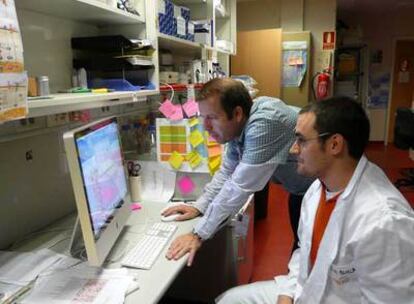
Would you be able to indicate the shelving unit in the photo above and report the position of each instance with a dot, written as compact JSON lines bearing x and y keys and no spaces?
{"x":88,"y":11}
{"x":47,"y":27}
{"x":349,"y":73}
{"x":60,"y":103}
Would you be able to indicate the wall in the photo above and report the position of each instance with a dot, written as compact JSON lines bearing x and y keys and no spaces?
{"x":315,"y":16}
{"x":380,"y":24}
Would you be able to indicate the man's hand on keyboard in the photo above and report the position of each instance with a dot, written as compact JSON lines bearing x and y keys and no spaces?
{"x":187,"y":212}
{"x":189,"y":242}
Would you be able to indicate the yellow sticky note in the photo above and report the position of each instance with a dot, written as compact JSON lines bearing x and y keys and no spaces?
{"x":194,"y":159}
{"x":214,"y":164}
{"x":196,"y":138}
{"x":210,"y":141}
{"x":176,"y":160}
{"x":194,"y":121}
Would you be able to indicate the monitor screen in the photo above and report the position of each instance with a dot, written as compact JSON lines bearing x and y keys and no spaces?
{"x":103,"y":174}
{"x":99,"y":183}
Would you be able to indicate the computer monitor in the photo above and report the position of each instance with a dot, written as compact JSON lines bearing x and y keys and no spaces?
{"x":99,"y":183}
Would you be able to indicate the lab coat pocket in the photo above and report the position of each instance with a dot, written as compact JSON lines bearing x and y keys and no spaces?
{"x":342,"y":274}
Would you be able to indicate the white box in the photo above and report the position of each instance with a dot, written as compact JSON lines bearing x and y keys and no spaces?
{"x":204,"y":38}
{"x":168,"y":77}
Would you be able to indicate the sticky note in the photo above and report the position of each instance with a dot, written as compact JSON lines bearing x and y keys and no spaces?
{"x":196,"y":138}
{"x":178,"y":114}
{"x":176,"y":160}
{"x":214,"y":151}
{"x":167,"y":108}
{"x":191,"y":107}
{"x":194,"y":159}
{"x":186,"y":184}
{"x":194,"y":121}
{"x":214,"y":164}
{"x":211,"y":141}
{"x":171,"y":111}
{"x":135,"y":206}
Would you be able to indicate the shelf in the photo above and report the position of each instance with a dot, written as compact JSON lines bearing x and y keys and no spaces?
{"x":185,"y":2}
{"x":88,"y":11}
{"x":178,"y":45}
{"x":60,"y":103}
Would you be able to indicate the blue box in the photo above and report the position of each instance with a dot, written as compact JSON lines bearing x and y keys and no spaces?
{"x":190,"y":31}
{"x":166,"y":19}
{"x":185,"y":13}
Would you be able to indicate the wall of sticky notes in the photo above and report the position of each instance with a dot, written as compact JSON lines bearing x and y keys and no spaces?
{"x":185,"y":146}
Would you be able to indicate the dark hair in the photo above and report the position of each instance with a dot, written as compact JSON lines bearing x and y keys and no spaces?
{"x":232,"y":93}
{"x":342,"y":115}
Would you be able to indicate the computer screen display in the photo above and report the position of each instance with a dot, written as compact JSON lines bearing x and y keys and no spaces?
{"x":103,"y":174}
{"x":99,"y":183}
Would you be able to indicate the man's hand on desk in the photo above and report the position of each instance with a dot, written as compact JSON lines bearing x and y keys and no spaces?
{"x":187,"y":212}
{"x":284,"y":300}
{"x":189,"y":242}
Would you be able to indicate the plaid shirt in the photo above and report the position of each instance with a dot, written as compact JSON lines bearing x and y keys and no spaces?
{"x":268,"y":134}
{"x":249,"y":162}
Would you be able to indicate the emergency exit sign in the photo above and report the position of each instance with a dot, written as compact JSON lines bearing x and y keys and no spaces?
{"x":328,"y":41}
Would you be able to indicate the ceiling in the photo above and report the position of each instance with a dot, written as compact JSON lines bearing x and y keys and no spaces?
{"x":358,"y":6}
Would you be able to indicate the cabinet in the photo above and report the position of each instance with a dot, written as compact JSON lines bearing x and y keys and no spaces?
{"x":349,"y":73}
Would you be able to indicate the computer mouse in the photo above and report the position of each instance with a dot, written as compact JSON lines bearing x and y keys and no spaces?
{"x":170,"y":218}
{"x":169,"y":205}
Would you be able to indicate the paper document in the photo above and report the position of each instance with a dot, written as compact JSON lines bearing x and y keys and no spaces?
{"x":22,"y":267}
{"x":158,"y":182}
{"x":80,"y":285}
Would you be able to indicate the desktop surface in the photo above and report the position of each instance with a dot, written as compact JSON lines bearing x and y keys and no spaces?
{"x":152,"y":283}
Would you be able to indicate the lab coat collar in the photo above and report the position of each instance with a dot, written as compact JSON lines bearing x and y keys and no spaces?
{"x":354,"y":181}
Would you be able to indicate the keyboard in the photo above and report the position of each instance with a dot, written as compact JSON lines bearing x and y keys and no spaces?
{"x":146,"y":251}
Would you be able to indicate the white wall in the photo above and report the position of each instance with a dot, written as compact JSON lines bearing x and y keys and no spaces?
{"x":316,"y":16}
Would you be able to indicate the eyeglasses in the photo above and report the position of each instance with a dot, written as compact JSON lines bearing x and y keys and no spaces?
{"x":301,"y":141}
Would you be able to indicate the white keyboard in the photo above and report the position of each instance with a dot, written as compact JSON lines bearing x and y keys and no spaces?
{"x":146,"y":251}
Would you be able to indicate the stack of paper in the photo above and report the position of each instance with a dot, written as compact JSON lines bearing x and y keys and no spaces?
{"x":81,"y":285}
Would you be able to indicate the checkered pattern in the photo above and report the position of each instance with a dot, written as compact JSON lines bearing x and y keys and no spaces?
{"x":268,"y":134}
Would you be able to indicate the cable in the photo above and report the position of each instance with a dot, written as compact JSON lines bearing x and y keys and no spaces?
{"x":172,"y":90}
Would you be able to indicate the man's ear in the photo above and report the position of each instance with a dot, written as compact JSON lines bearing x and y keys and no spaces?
{"x":238,"y":113}
{"x":337,"y":144}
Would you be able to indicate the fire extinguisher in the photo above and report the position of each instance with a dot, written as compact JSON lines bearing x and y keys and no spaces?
{"x":322,"y":85}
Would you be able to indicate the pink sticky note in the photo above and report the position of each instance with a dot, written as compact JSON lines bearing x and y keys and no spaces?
{"x":186,"y":185}
{"x":167,"y":108}
{"x":178,"y":113}
{"x":135,"y":206}
{"x":190,"y":107}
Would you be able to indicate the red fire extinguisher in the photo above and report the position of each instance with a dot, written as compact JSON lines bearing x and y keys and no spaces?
{"x":322,"y":85}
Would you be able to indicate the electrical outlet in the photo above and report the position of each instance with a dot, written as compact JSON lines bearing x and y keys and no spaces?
{"x":57,"y":120}
{"x":30,"y":124}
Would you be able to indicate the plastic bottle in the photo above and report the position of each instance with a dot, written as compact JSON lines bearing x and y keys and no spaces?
{"x":153,"y":136}
{"x":82,"y":78}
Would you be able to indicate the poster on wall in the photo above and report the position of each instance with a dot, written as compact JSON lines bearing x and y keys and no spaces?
{"x":295,"y":56}
{"x":328,"y":39}
{"x":379,"y":90}
{"x":13,"y":79}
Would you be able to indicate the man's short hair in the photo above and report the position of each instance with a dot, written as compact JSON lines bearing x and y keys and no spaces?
{"x":231,"y":93}
{"x":342,"y":115}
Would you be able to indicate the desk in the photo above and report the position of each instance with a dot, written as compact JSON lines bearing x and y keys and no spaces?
{"x":152,"y":283}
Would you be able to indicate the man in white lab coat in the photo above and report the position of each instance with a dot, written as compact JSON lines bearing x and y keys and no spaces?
{"x":356,"y":230}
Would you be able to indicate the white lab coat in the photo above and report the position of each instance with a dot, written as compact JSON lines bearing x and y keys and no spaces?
{"x":367,"y":252}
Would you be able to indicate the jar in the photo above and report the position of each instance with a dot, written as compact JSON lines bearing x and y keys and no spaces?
{"x":43,"y":85}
